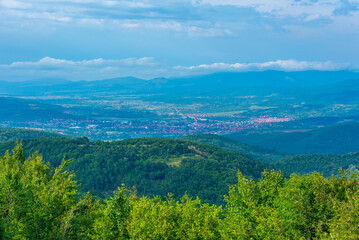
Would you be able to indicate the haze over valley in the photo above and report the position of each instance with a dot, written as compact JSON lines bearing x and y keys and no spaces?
{"x":220,"y":103}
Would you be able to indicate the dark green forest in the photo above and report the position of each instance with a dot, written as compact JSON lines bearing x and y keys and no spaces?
{"x":40,"y":202}
{"x":13,"y":134}
{"x":154,"y":166}
{"x":256,"y":152}
{"x":326,"y":164}
{"x":328,"y":140}
{"x":198,"y":187}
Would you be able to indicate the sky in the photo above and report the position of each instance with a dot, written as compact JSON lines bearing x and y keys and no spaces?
{"x":90,"y":40}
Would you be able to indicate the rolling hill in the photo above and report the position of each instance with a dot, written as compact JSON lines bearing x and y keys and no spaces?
{"x":16,"y":109}
{"x":153,"y":166}
{"x":256,"y":152}
{"x":13,"y":134}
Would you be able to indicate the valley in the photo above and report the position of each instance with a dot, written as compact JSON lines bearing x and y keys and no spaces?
{"x":224,"y":103}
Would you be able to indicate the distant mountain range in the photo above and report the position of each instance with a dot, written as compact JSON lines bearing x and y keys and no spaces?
{"x":250,"y":82}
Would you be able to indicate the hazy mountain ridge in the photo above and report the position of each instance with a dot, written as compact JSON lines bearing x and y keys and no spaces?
{"x":269,"y":79}
{"x":341,"y":138}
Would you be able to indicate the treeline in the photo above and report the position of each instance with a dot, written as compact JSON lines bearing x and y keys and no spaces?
{"x":37,"y":202}
{"x":326,"y":164}
{"x":256,"y":152}
{"x":13,"y":134}
{"x":154,"y":166}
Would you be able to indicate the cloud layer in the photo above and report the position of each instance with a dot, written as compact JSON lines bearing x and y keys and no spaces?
{"x":94,"y":69}
{"x":145,"y":67}
{"x":308,"y":9}
{"x":176,"y":32}
{"x":280,"y":65}
{"x":171,"y":15}
{"x":194,"y":17}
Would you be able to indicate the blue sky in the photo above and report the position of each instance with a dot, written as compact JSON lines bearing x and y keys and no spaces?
{"x":88,"y":39}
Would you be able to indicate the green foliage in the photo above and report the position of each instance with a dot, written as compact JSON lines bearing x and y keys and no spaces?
{"x":345,"y":224}
{"x":306,"y":205}
{"x":33,"y":199}
{"x":189,"y":219}
{"x":250,"y":209}
{"x":113,"y":224}
{"x":79,"y":221}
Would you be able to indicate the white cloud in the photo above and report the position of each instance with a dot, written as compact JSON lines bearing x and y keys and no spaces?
{"x":14,"y":4}
{"x":193,"y":29}
{"x":282,"y":65}
{"x":99,"y":62}
{"x":190,"y":29}
{"x":145,"y":67}
{"x":308,"y":9}
{"x":109,"y":14}
{"x":145,"y":61}
{"x":189,"y":17}
{"x":93,"y":69}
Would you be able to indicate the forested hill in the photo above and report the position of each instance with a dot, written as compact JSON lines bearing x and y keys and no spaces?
{"x":154,"y":166}
{"x":330,"y":140}
{"x":17,"y":109}
{"x":326,"y":164}
{"x":11,"y":134}
{"x":256,"y":152}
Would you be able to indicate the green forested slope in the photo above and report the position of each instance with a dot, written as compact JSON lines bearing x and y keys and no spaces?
{"x":12,"y":134}
{"x":17,"y":109}
{"x":154,"y":166}
{"x":330,"y":140}
{"x":256,"y":152}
